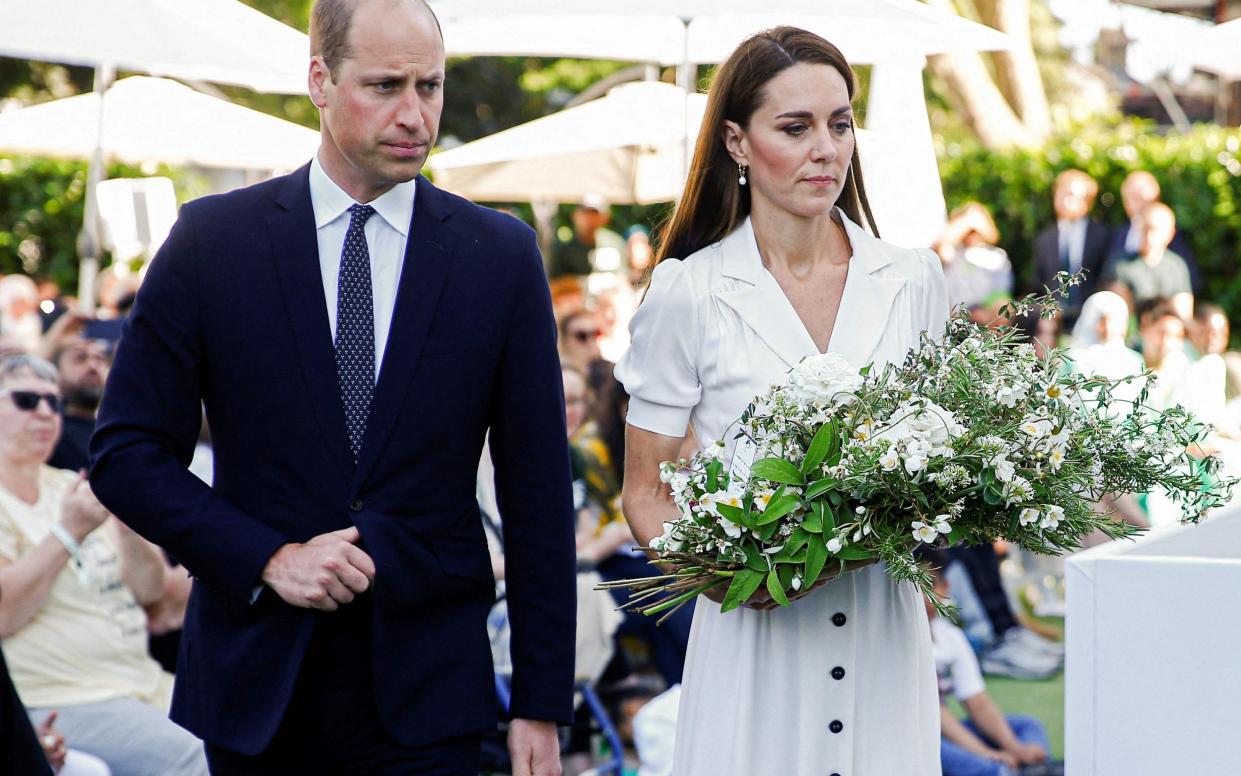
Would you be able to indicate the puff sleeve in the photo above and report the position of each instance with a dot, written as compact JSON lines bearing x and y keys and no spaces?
{"x":660,"y":369}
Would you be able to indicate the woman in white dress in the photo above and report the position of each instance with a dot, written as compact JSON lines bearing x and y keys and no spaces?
{"x":774,"y":265}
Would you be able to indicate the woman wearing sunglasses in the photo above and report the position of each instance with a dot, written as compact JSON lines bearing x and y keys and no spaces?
{"x":68,"y":569}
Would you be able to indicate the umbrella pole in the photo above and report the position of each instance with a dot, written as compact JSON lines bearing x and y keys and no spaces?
{"x":685,"y":79}
{"x":90,"y":239}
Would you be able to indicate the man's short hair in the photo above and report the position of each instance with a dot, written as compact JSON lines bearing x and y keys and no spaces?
{"x":28,"y":366}
{"x":329,"y":30}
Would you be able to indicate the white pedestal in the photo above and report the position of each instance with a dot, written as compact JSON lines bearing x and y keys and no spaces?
{"x":1153,"y":663}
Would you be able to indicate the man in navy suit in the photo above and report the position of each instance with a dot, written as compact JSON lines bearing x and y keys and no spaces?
{"x":1075,"y":242}
{"x":353,"y":333}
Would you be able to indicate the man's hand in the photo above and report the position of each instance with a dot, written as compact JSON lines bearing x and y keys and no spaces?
{"x":1029,"y":754}
{"x":534,"y":748}
{"x":325,"y":572}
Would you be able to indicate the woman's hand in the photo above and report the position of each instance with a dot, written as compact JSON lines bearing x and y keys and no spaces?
{"x":53,"y":742}
{"x":80,"y":511}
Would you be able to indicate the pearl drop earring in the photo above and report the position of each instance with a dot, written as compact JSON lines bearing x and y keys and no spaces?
{"x":741,"y":171}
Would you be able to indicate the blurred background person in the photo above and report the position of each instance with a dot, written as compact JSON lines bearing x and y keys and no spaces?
{"x":1154,"y":271}
{"x":580,"y":332}
{"x":609,"y":544}
{"x":1097,"y":345}
{"x":975,"y":270}
{"x":20,"y":320}
{"x":1074,"y":242}
{"x":985,"y":742}
{"x":1161,"y":333}
{"x":1140,"y":190}
{"x":1098,"y":349}
{"x":640,"y":254}
{"x":592,"y":247}
{"x":83,"y":366}
{"x":74,"y":581}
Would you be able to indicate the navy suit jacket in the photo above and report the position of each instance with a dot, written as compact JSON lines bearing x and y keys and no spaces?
{"x":232,"y":314}
{"x":1047,"y":256}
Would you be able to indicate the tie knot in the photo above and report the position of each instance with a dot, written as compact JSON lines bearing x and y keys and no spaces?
{"x":358,"y":215}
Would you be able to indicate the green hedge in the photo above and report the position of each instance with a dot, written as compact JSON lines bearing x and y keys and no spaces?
{"x":1199,"y":172}
{"x":41,"y":205}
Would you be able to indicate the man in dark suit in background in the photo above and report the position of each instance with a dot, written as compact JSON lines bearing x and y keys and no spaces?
{"x":353,"y":333}
{"x":1074,"y":242}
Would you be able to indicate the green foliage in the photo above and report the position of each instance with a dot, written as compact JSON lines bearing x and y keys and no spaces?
{"x":41,"y":206}
{"x":1199,"y":172}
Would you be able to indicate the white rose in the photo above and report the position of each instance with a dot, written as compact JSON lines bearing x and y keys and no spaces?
{"x":914,"y":464}
{"x":825,"y":378}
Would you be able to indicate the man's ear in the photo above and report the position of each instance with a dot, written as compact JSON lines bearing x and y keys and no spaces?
{"x":734,"y":141}
{"x":317,"y":81}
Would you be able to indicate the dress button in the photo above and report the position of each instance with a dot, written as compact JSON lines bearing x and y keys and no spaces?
{"x":835,"y":774}
{"x":838,"y":673}
{"x":355,"y":505}
{"x":836,"y":726}
{"x":838,"y":619}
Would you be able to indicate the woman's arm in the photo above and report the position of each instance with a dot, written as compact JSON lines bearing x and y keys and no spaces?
{"x":143,"y":569}
{"x":645,"y":500}
{"x":26,"y":582}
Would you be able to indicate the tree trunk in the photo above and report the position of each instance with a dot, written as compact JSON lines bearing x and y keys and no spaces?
{"x":976,"y":93}
{"x":1019,"y":67}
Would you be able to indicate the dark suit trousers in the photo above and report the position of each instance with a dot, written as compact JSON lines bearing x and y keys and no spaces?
{"x":332,"y":725}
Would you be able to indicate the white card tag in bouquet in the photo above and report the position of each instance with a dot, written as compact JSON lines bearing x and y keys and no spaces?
{"x":743,"y":458}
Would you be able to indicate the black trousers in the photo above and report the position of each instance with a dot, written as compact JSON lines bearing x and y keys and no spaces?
{"x":332,"y":725}
{"x":20,"y":752}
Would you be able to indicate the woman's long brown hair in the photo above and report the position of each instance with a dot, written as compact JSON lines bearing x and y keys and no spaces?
{"x":713,"y":203}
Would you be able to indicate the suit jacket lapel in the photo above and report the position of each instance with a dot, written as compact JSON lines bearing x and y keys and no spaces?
{"x":295,"y":252}
{"x":427,"y":252}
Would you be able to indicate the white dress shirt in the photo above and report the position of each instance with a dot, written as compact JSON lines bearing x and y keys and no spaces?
{"x":386,"y":236}
{"x":1072,"y":241}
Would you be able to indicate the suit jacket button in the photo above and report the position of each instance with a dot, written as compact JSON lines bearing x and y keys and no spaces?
{"x":838,"y":619}
{"x":838,"y":673}
{"x":836,"y":726}
{"x":355,"y":505}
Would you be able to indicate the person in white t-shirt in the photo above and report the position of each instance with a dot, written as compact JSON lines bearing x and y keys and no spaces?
{"x":74,"y":581}
{"x":986,"y":742}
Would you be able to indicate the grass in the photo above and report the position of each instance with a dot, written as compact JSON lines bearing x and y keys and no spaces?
{"x":1042,"y":700}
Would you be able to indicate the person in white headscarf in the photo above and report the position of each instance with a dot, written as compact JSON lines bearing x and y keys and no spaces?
{"x":1098,"y":346}
{"x":1098,"y":349}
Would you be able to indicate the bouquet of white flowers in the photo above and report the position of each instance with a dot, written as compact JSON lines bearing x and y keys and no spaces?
{"x":972,"y":438}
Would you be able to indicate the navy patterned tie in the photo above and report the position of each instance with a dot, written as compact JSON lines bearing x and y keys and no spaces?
{"x":355,"y":328}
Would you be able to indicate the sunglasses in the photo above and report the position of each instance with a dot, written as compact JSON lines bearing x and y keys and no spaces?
{"x":586,"y":336}
{"x":28,"y":401}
